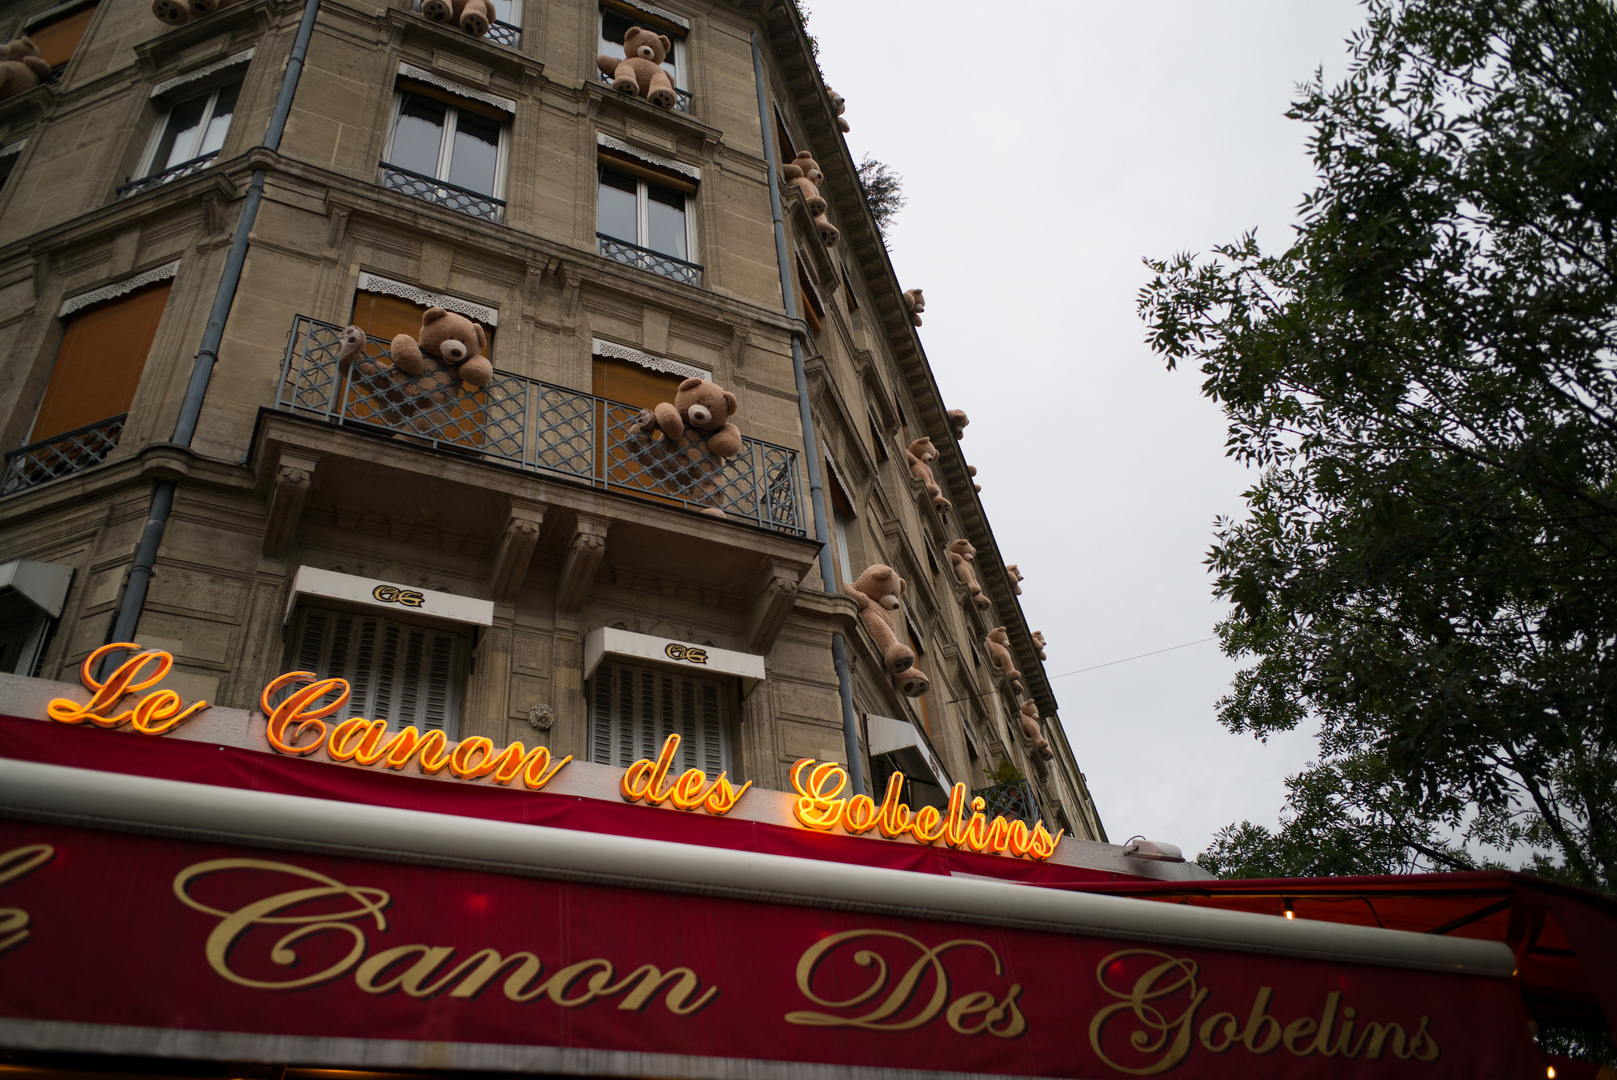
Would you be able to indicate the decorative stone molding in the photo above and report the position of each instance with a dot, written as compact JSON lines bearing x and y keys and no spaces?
{"x":200,"y":73}
{"x":375,"y":283}
{"x":520,"y":536}
{"x":541,"y":716}
{"x":583,"y":559}
{"x":772,"y":601}
{"x":504,"y":104}
{"x":659,"y":13}
{"x":118,"y":288}
{"x":289,"y":490}
{"x":613,"y":351}
{"x":612,"y":143}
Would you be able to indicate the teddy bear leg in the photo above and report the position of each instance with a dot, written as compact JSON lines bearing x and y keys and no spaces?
{"x":476,"y":18}
{"x":173,"y":12}
{"x":623,"y":80}
{"x":438,"y":10}
{"x":829,"y":234}
{"x":661,"y":92}
{"x":912,"y":682}
{"x":406,"y":352}
{"x":200,"y":8}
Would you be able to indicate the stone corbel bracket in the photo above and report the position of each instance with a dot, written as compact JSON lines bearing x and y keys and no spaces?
{"x":289,"y":490}
{"x":583,"y":559}
{"x":769,"y":604}
{"x":519,"y":536}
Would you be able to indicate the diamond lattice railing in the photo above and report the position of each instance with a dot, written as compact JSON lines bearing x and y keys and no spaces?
{"x":61,"y":455}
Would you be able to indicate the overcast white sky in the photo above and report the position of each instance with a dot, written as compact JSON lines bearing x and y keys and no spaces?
{"x":1061,"y":141}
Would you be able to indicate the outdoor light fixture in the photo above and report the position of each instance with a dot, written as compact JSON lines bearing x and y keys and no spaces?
{"x":1290,"y":914}
{"x":1141,"y":848}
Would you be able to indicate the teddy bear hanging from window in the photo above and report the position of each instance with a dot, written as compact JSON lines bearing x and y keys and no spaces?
{"x":697,"y":439}
{"x":639,"y":70}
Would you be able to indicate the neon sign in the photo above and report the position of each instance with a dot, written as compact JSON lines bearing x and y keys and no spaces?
{"x":645,"y":780}
{"x":819,"y":807}
{"x":158,"y":713}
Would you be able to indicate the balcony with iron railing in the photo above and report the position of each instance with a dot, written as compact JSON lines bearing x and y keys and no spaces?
{"x":60,"y":455}
{"x":1011,"y":800}
{"x":535,"y":427}
{"x":169,"y":175}
{"x":441,"y":192}
{"x":681,"y":105}
{"x":646,"y":259}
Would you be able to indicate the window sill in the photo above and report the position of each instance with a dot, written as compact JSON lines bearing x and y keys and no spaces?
{"x":432,"y":38}
{"x":440,"y":193}
{"x":604,"y":99}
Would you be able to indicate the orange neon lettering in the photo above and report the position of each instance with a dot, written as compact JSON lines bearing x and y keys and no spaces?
{"x":977,"y":828}
{"x":928,"y":825}
{"x":656,"y":793}
{"x":461,"y":757}
{"x":297,"y":708}
{"x":689,"y":790}
{"x":894,"y":816}
{"x":1020,"y":839}
{"x":954,"y":823}
{"x":1042,"y":845}
{"x":817,"y":806}
{"x":724,"y":796}
{"x":999,"y":835}
{"x":351,"y":736}
{"x":156,"y":714}
{"x":860,"y":815}
{"x":534,"y":774}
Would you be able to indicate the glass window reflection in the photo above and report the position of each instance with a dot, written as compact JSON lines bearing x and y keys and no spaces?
{"x":418,"y":138}
{"x":476,"y":153}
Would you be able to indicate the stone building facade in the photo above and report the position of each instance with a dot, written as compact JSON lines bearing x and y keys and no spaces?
{"x":504,"y":559}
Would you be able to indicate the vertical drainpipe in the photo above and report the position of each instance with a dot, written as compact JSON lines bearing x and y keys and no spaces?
{"x":140,"y":575}
{"x":839,"y":647}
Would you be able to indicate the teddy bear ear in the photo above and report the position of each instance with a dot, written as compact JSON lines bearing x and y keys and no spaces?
{"x":482,"y":338}
{"x":690,"y":384}
{"x":433,"y":315}
{"x":668,"y":46}
{"x":730,"y":402}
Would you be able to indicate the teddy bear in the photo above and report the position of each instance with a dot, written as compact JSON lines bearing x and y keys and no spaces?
{"x":424,"y":373}
{"x":179,"y":12}
{"x":21,"y":68}
{"x":971,"y":471}
{"x":957,"y":423}
{"x":877,"y":592}
{"x":697,"y":438}
{"x":1038,"y":644}
{"x":640,"y":71}
{"x":914,"y":303}
{"x":919,"y":457}
{"x":961,"y":555}
{"x":839,"y":105}
{"x":1016,"y":578}
{"x":998,"y":643}
{"x":1028,"y":721}
{"x":472,"y":16}
{"x":803,"y":173}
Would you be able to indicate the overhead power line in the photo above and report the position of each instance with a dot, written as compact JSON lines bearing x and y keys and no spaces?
{"x":1097,"y":667}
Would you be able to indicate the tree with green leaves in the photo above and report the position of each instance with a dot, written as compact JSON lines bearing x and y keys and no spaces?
{"x":884,"y":191}
{"x":1425,"y":382}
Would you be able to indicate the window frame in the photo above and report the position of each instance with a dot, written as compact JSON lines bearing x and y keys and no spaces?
{"x":446,"y":141}
{"x":148,"y":157}
{"x":642,"y":206}
{"x":676,"y":39}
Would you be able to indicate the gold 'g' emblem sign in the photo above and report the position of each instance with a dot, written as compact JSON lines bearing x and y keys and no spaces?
{"x":688,"y":653}
{"x":392,"y":594}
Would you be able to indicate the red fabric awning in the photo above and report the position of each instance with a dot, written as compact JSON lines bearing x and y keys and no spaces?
{"x":1564,"y":938}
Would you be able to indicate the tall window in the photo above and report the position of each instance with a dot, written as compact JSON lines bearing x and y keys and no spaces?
{"x":58,"y":37}
{"x":645,"y":223}
{"x":404,"y":673}
{"x":189,"y":138}
{"x":9,"y":156}
{"x":634,"y":709}
{"x":450,"y":154}
{"x":615,"y":24}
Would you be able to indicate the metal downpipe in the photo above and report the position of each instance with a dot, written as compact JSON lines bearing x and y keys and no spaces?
{"x":839,"y":647}
{"x":140,"y":574}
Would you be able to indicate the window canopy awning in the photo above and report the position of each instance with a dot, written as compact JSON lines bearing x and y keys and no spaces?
{"x":388,"y":596}
{"x":42,"y":584}
{"x":689,"y":656}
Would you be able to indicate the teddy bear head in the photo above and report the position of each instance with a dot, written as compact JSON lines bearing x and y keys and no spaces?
{"x":963,"y":548}
{"x":999,"y":637}
{"x":20,"y":49}
{"x":957,"y":423}
{"x":452,"y":338}
{"x":923,"y":449}
{"x":704,"y":405}
{"x":882,"y":584}
{"x":645,"y":45}
{"x":809,"y":168}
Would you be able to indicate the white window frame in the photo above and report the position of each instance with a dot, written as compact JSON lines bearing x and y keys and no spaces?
{"x":148,"y":157}
{"x":649,"y":746}
{"x":642,"y":214}
{"x":676,"y":51}
{"x":446,"y":143}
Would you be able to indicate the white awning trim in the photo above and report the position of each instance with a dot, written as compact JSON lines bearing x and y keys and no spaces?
{"x":388,"y":596}
{"x":887,"y":735}
{"x":118,"y":288}
{"x":40,"y":583}
{"x":200,"y":73}
{"x":842,"y":481}
{"x":13,"y":148}
{"x":143,"y":804}
{"x":614,"y":351}
{"x":504,"y":104}
{"x":376,"y":283}
{"x":669,"y":652}
{"x":614,"y":143}
{"x":659,"y":13}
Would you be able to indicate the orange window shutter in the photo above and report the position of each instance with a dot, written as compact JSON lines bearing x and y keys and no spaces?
{"x":100,"y":360}
{"x":57,"y":40}
{"x":387,"y":316}
{"x":619,"y":380}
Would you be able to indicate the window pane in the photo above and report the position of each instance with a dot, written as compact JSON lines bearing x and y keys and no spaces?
{"x":419,"y":135}
{"x":180,"y":134}
{"x":667,"y":222}
{"x":219,"y":123}
{"x":504,"y":11}
{"x":476,"y":152}
{"x":616,"y":213}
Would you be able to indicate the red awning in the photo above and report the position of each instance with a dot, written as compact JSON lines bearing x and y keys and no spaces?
{"x":1564,"y":938}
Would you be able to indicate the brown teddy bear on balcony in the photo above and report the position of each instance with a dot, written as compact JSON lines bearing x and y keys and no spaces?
{"x":957,"y":423}
{"x":839,"y":105}
{"x":1016,"y":578}
{"x":21,"y":68}
{"x":803,"y":173}
{"x":961,"y":556}
{"x":179,"y":12}
{"x":971,"y":471}
{"x":1028,"y":721}
{"x":914,"y":304}
{"x":472,"y":16}
{"x":697,"y":438}
{"x":640,"y":70}
{"x":1038,"y":644}
{"x":999,"y":653}
{"x":878,"y":592}
{"x":919,"y":457}
{"x":424,"y":373}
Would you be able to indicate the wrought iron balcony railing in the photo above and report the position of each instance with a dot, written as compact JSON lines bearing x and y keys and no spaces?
{"x":441,"y":192}
{"x":634,"y":255}
{"x":504,"y":34}
{"x":534,"y":426}
{"x":1010,"y":800}
{"x":184,"y":168}
{"x":683,"y":104}
{"x":61,"y":455}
